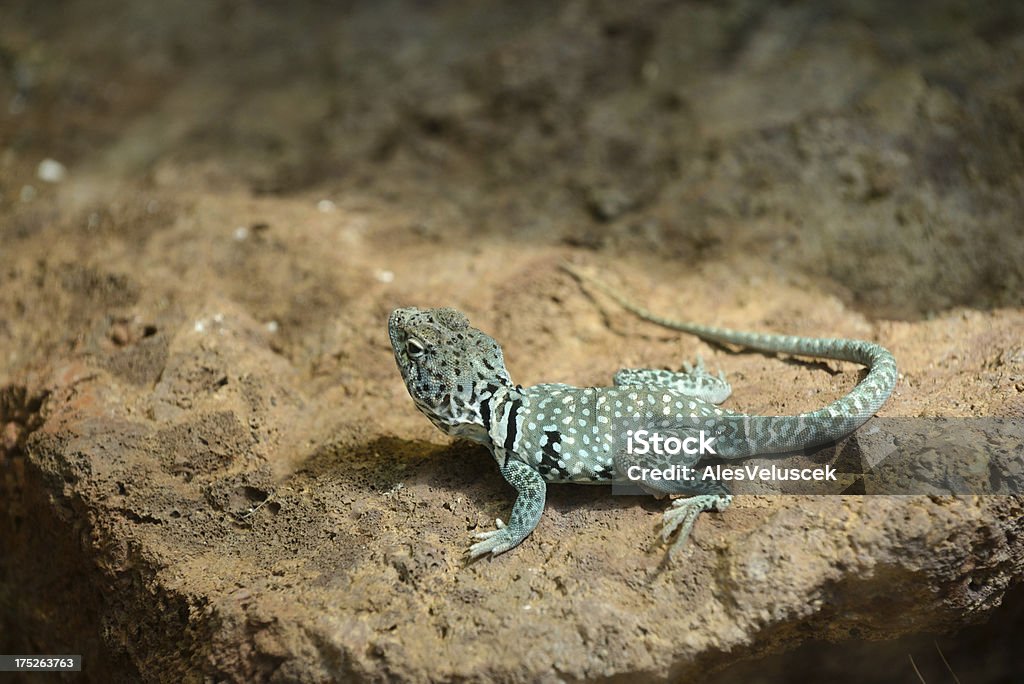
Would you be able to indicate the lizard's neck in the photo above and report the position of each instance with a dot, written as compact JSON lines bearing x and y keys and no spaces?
{"x":500,"y":411}
{"x":473,"y":416}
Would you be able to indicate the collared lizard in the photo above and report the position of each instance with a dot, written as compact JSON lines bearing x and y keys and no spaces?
{"x":559,"y":433}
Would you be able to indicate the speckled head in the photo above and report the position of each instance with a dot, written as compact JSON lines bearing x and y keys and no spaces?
{"x":449,"y":368}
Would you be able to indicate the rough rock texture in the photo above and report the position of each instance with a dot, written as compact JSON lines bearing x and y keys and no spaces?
{"x":210,"y":466}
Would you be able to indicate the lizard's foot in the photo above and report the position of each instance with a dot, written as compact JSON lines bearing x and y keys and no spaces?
{"x":683,"y":514}
{"x":694,"y":381}
{"x":697,"y":381}
{"x":494,"y":542}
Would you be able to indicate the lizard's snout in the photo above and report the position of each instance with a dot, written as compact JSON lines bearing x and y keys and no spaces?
{"x":399,"y":320}
{"x":396,"y":327}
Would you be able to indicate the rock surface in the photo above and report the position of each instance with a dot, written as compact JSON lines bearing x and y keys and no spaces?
{"x":211,"y":468}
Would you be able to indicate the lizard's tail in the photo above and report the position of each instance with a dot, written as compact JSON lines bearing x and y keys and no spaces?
{"x":744,"y":436}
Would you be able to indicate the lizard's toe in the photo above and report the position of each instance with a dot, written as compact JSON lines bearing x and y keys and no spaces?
{"x":487,"y":535}
{"x":493,"y":542}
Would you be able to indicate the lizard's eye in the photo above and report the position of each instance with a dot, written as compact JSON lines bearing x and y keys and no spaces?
{"x":414,"y":347}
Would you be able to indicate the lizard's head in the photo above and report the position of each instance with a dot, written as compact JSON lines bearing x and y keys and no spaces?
{"x":449,"y":368}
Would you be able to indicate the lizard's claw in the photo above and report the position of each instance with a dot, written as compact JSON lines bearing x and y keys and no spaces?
{"x":494,"y":542}
{"x":696,"y":367}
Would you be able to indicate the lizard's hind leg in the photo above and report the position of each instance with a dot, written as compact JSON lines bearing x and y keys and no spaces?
{"x":693,"y":381}
{"x":697,"y":495}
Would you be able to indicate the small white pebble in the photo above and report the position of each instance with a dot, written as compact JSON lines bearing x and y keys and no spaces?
{"x":200,"y":325}
{"x":326,"y":206}
{"x":272,"y":326}
{"x":385,"y":276}
{"x":17,"y":104}
{"x":241,"y":233}
{"x":51,"y":171}
{"x":28,"y":193}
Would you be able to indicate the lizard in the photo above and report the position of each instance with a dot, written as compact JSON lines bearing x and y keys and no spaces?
{"x":554,"y":432}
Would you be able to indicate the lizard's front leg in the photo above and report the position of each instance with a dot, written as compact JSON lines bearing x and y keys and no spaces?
{"x":526,"y":512}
